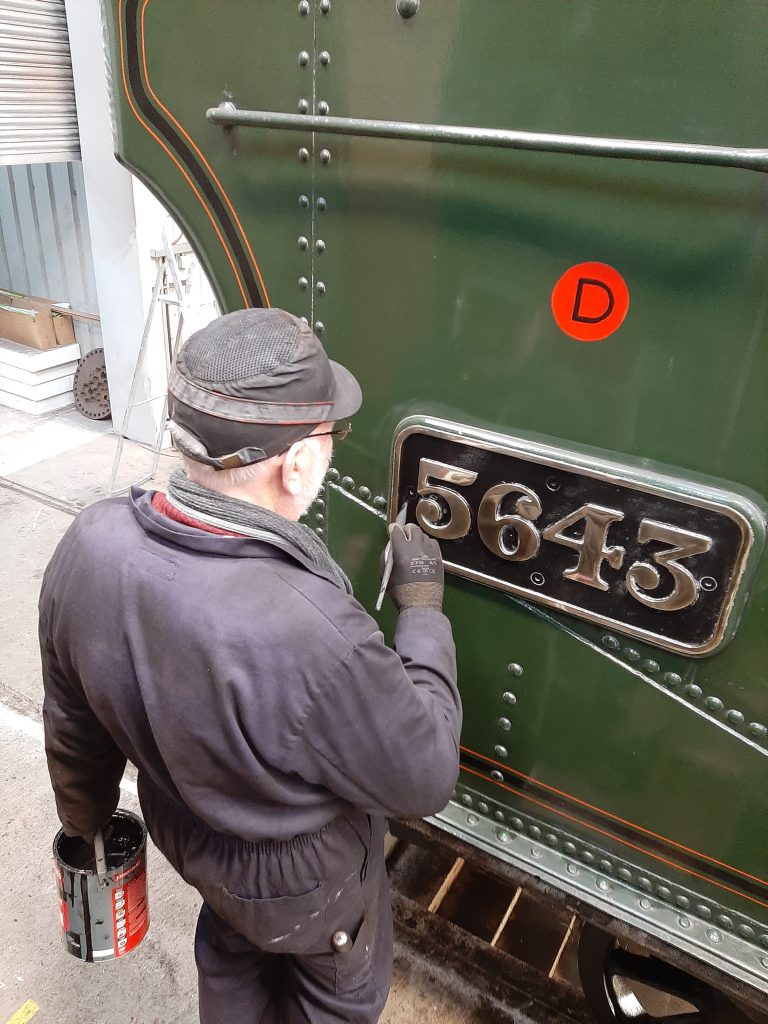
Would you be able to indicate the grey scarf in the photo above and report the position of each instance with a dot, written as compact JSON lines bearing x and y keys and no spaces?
{"x":251,"y":521}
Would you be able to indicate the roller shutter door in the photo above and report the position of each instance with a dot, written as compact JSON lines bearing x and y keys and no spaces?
{"x":38,"y":118}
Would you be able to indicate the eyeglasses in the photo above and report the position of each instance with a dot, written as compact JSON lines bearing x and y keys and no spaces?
{"x":338,"y":435}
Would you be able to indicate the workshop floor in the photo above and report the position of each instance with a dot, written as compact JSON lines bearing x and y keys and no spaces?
{"x":49,"y":465}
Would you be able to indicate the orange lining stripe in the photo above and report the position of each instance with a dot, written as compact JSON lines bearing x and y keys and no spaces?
{"x":197,"y":150}
{"x":171,"y":155}
{"x":618,"y":839}
{"x":615,"y":817}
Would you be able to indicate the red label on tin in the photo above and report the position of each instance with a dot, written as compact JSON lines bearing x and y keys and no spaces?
{"x":590,"y":301}
{"x":130,"y":912}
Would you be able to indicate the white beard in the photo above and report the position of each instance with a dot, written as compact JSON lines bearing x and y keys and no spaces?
{"x":314,"y":482}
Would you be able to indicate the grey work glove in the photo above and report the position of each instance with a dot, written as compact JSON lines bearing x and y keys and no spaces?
{"x":417,"y":569}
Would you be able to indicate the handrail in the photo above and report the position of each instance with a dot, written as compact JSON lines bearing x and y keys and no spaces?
{"x":229,"y":115}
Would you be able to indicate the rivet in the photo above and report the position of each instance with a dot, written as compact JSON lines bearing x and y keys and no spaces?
{"x":587,"y":857}
{"x":671,"y":679}
{"x":364,"y":492}
{"x":502,"y":835}
{"x":571,"y":869}
{"x":663,"y":892}
{"x":764,"y":961}
{"x":320,"y":287}
{"x":321,"y":203}
{"x":325,"y":6}
{"x":303,"y":58}
{"x":693,"y":691}
{"x":379,"y":502}
{"x":713,"y":935}
{"x":534,"y":831}
{"x":683,"y":902}
{"x":466,"y":800}
{"x":745,"y":931}
{"x":514,"y":669}
{"x":605,"y":865}
{"x":631,"y":654}
{"x":305,"y":321}
{"x":304,"y":7}
{"x":650,"y":666}
{"x":517,"y":824}
{"x":553,"y":484}
{"x":333,"y":474}
{"x":500,"y":751}
{"x":708,"y":583}
{"x":325,"y":58}
{"x":536,"y":853}
{"x":323,"y":109}
{"x":325,"y":156}
{"x":303,"y":283}
{"x":407,"y":8}
{"x":645,"y":883}
{"x":319,"y":326}
{"x":724,"y":921}
{"x":756,"y":729}
{"x":302,"y":242}
{"x":303,"y":106}
{"x":319,"y":531}
{"x":320,"y":245}
{"x":537,"y":579}
{"x":319,"y":502}
{"x":625,"y":874}
{"x":505,"y":724}
{"x":603,"y":884}
{"x":645,"y":903}
{"x":319,"y":517}
{"x":714,"y":703}
{"x":735,"y":717}
{"x":303,"y":202}
{"x":497,"y":776}
{"x":348,"y":483}
{"x":472,"y":819}
{"x":569,"y":847}
{"x":611,"y":643}
{"x":498,"y":815}
{"x":303,"y":154}
{"x":482,"y":807}
{"x":683,"y":922}
{"x":702,"y":910}
{"x":764,"y":940}
{"x":508,"y":697}
{"x":550,"y":839}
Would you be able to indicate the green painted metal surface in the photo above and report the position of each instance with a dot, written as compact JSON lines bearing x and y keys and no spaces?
{"x":433,"y":283}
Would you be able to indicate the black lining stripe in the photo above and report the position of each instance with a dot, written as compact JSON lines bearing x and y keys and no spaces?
{"x":589,"y":817}
{"x":185,"y":154}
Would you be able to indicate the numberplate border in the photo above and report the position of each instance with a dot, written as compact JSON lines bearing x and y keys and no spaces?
{"x":748,"y":516}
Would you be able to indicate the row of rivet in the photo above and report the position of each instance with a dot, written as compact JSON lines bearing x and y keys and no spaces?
{"x":378,"y":503}
{"x":601,"y":864}
{"x":325,"y":156}
{"x":672,"y":680}
{"x":514,"y":669}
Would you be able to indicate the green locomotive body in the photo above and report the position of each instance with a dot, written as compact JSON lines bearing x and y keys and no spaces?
{"x":537,"y":232}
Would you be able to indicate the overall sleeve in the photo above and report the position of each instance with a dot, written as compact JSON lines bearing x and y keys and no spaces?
{"x":84,"y":763}
{"x":383,"y":731}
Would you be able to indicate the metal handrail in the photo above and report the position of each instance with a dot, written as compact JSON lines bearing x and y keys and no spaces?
{"x":229,"y":115}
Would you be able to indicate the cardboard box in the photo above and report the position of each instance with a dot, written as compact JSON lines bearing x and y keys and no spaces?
{"x":29,"y":320}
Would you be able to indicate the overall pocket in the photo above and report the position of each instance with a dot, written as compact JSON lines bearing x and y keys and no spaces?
{"x":281,"y":924}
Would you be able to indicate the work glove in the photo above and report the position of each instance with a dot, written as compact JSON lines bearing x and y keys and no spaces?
{"x":417,"y":568}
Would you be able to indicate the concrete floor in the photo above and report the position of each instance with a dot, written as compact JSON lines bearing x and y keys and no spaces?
{"x":69,"y":458}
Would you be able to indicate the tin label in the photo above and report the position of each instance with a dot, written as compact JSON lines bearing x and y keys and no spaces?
{"x":130,"y":910}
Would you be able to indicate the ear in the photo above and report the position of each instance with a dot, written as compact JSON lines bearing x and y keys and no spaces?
{"x":293,"y":467}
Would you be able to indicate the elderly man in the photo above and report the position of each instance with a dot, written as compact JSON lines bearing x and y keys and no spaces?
{"x":209,"y":638}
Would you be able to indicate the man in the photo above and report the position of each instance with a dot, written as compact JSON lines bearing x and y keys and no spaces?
{"x":210,"y":639}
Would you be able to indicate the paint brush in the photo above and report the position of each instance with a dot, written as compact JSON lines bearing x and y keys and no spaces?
{"x":388,"y":560}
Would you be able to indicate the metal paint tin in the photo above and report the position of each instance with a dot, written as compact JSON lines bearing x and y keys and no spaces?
{"x":103,"y":919}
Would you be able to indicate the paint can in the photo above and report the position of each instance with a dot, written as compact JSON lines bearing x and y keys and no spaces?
{"x":103,"y":917}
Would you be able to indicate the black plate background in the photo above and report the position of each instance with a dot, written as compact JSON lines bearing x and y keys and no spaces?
{"x":691,"y":626}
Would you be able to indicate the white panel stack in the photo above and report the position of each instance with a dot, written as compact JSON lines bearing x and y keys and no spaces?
{"x":36,"y":382}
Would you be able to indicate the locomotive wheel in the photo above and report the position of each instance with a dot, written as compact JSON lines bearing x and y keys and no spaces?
{"x":90,"y":386}
{"x":608,"y":971}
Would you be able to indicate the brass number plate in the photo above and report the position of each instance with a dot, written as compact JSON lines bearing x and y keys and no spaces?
{"x":640,"y":557}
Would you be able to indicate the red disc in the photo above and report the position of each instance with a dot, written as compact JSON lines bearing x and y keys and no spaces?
{"x":590,"y":301}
